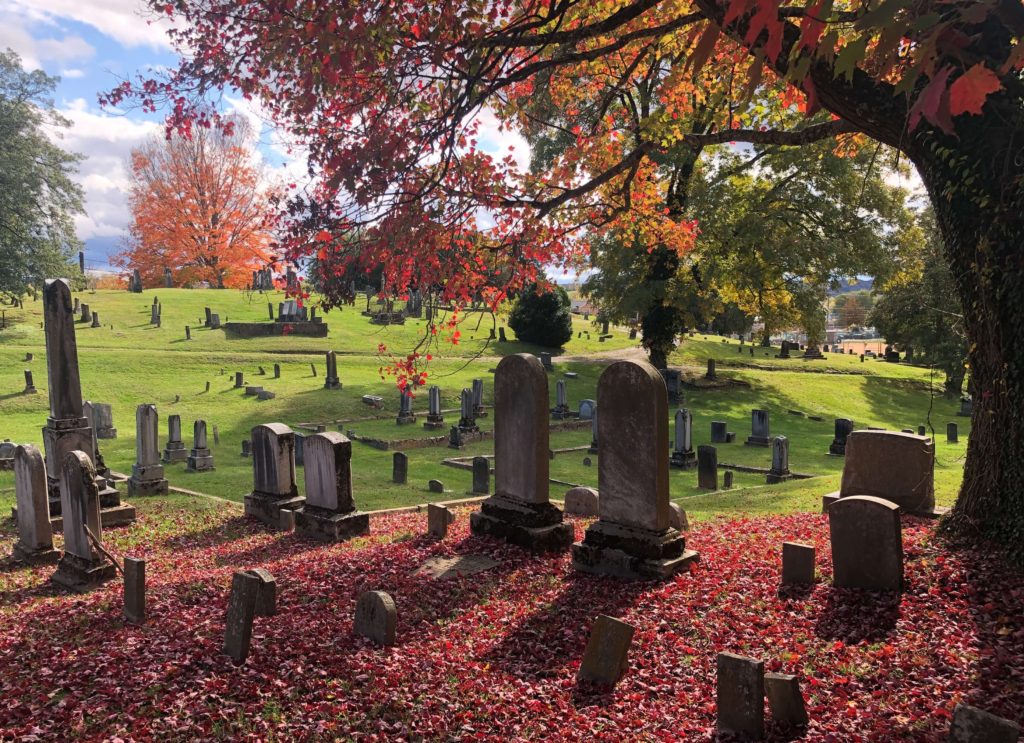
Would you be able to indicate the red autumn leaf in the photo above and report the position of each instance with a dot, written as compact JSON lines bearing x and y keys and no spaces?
{"x":968,"y":92}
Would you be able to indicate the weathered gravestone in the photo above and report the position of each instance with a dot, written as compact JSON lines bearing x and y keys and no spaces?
{"x":86,"y":314}
{"x":707,"y":467}
{"x":843,"y":429}
{"x":966,"y":406}
{"x":973,"y":725}
{"x":779,"y":471}
{"x":82,"y":567}
{"x":331,"y":379}
{"x":435,"y":419}
{"x":478,"y":399}
{"x":400,"y":467}
{"x":711,"y":373}
{"x":683,"y":454}
{"x":797,"y":563}
{"x":200,"y":459}
{"x":633,"y":536}
{"x":561,"y":409}
{"x":545,"y":360}
{"x":740,"y":696}
{"x":239,"y":380}
{"x":329,"y":513}
{"x":952,"y":434}
{"x":481,"y":476}
{"x":586,"y":410}
{"x":785,"y":700}
{"x":135,"y":590}
{"x":96,"y":319}
{"x":719,"y":432}
{"x":174,"y":450}
{"x":405,"y":414}
{"x":759,"y":433}
{"x":435,"y":486}
{"x":467,"y":416}
{"x":581,"y":501}
{"x":147,"y":472}
{"x":727,"y":479}
{"x":273,"y":474}
{"x":520,"y":510}
{"x":245,"y":589}
{"x":30,"y":385}
{"x":867,"y":543}
{"x":35,"y":536}
{"x":376,"y":617}
{"x":438,"y":520}
{"x":606,"y":656}
{"x":593,"y":431}
{"x":266,"y":597}
{"x":103,"y":420}
{"x":896,"y":466}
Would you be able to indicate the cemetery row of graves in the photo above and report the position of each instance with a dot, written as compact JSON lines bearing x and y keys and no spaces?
{"x":515,"y":605}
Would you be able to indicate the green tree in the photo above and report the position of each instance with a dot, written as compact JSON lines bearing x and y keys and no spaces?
{"x":542,"y":316}
{"x":38,"y":199}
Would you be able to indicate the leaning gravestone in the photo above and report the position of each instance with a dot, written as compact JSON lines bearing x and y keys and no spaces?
{"x":135,"y":590}
{"x":867,"y":543}
{"x":245,"y":589}
{"x":785,"y":700}
{"x":740,"y":696}
{"x":266,"y":597}
{"x":633,"y":538}
{"x":147,"y":472}
{"x":759,"y":434}
{"x":606,"y":656}
{"x":797,"y":564}
{"x":376,"y":617}
{"x":520,"y":510}
{"x":35,"y":536}
{"x":174,"y":450}
{"x":30,"y":386}
{"x":200,"y":459}
{"x":329,"y":513}
{"x":82,"y":567}
{"x":273,"y":474}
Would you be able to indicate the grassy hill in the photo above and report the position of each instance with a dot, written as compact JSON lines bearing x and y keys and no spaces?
{"x":134,"y":362}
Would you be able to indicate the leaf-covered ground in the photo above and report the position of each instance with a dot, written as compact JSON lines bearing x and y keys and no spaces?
{"x":494,"y":656}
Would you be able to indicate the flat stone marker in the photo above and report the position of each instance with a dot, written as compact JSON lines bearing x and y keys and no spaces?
{"x":444,"y":568}
{"x":266,"y":597}
{"x":867,"y":543}
{"x":135,"y":590}
{"x":581,"y":501}
{"x":376,"y":617}
{"x":785,"y":700}
{"x":740,"y":696}
{"x":607,"y":654}
{"x":797,"y":564}
{"x":438,"y":519}
{"x":245,"y":590}
{"x":973,"y":725}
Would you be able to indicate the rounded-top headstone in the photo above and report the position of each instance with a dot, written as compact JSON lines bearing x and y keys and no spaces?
{"x":581,"y":501}
{"x":867,"y":543}
{"x":376,"y":617}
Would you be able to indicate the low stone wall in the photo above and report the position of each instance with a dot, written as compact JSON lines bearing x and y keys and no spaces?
{"x":264,"y":329}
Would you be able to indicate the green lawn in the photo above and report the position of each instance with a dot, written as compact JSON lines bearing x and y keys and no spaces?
{"x":136,"y":363}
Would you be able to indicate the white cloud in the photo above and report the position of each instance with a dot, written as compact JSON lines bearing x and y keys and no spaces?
{"x":126,"y":21}
{"x":36,"y":52}
{"x":72,"y":74}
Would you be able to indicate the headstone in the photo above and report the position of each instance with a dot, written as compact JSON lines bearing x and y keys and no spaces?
{"x":35,"y":536}
{"x":973,"y":725}
{"x":467,"y":418}
{"x":168,"y":279}
{"x":843,"y":428}
{"x":273,"y":469}
{"x":501,"y":335}
{"x":520,"y":510}
{"x":867,"y":543}
{"x":951,"y":433}
{"x":785,"y":700}
{"x":266,"y":597}
{"x":200,"y":459}
{"x":277,"y":371}
{"x":561,"y":409}
{"x":154,"y":314}
{"x":586,"y":410}
{"x":300,"y":440}
{"x":400,"y":467}
{"x":239,"y":380}
{"x":779,"y":471}
{"x":188,"y":333}
{"x":147,"y":472}
{"x":96,"y":319}
{"x":673,"y":384}
{"x":245,"y":590}
{"x":246,"y":448}
{"x":30,"y":387}
{"x":581,"y":501}
{"x":329,"y":513}
{"x":82,"y":567}
{"x":683,"y":454}
{"x":727,"y":479}
{"x":481,"y":476}
{"x":376,"y":617}
{"x":633,"y":536}
{"x":135,"y":285}
{"x":593,"y":431}
{"x":740,"y":696}
{"x":606,"y":656}
{"x":707,"y":467}
{"x":435,"y":486}
{"x":478,"y":399}
{"x":135,"y":590}
{"x":435,"y":419}
{"x":331,"y":380}
{"x":797,"y":563}
{"x":405,"y":414}
{"x":455,"y":439}
{"x":677,"y":517}
{"x":174,"y":451}
{"x":438,"y":520}
{"x":966,"y":406}
{"x":718,"y":432}
{"x":759,"y":434}
{"x":711,"y":370}
{"x":545,"y":360}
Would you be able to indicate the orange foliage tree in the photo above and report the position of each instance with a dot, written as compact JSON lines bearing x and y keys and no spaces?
{"x":199,"y":207}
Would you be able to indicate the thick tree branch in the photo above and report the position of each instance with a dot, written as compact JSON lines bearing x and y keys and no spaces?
{"x":794,"y":138}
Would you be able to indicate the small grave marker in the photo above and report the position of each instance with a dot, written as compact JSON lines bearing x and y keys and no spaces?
{"x":607,"y":654}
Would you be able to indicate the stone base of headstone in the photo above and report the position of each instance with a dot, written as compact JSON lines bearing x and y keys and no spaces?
{"x":561,"y":412}
{"x":837,"y":448}
{"x":174,"y":453}
{"x":79,"y":576}
{"x":628,"y":552}
{"x":758,"y":441}
{"x":683,"y":459}
{"x":332,"y":384}
{"x":328,"y":526}
{"x":148,"y":480}
{"x":936,"y":512}
{"x":434,"y":422}
{"x":106,"y":433}
{"x":404,"y":420}
{"x":35,"y":557}
{"x":267,"y":508}
{"x":776,"y":477}
{"x":199,"y":460}
{"x":468,"y":426}
{"x":536,"y":527}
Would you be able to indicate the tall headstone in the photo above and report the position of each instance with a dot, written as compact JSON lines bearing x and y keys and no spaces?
{"x":759,"y":431}
{"x":867,"y":543}
{"x":200,"y":459}
{"x":561,"y":409}
{"x":633,"y":536}
{"x":467,"y":418}
{"x":740,"y":696}
{"x":481,"y":476}
{"x":154,"y":314}
{"x":135,"y":590}
{"x":174,"y":451}
{"x":435,"y":419}
{"x":273,"y":474}
{"x":478,"y":399}
{"x":35,"y":537}
{"x":683,"y":454}
{"x":82,"y":567}
{"x":168,"y":279}
{"x":405,"y":414}
{"x":136,"y":282}
{"x":147,"y":472}
{"x":95,"y":319}
{"x":400,"y":467}
{"x":520,"y":510}
{"x":843,"y":428}
{"x":331,"y":380}
{"x":329,"y":513}
{"x":86,"y":313}
{"x":707,"y":467}
{"x":594,"y":448}
{"x":779,"y":471}
{"x":711,"y":374}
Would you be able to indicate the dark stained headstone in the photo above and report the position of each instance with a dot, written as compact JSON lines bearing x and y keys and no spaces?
{"x":759,"y":429}
{"x":707,"y":467}
{"x":740,"y":696}
{"x":400,"y":467}
{"x":952,"y":436}
{"x":30,"y":386}
{"x":273,"y":465}
{"x":843,"y":428}
{"x":727,"y":478}
{"x":785,"y":700}
{"x":438,"y":520}
{"x":82,"y":567}
{"x":867,"y":543}
{"x":376,"y":617}
{"x":435,"y":486}
{"x":797,"y":563}
{"x":718,"y":432}
{"x":135,"y":590}
{"x":481,"y":475}
{"x":245,"y":591}
{"x":266,"y":597}
{"x":331,"y":380}
{"x":606,"y":656}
